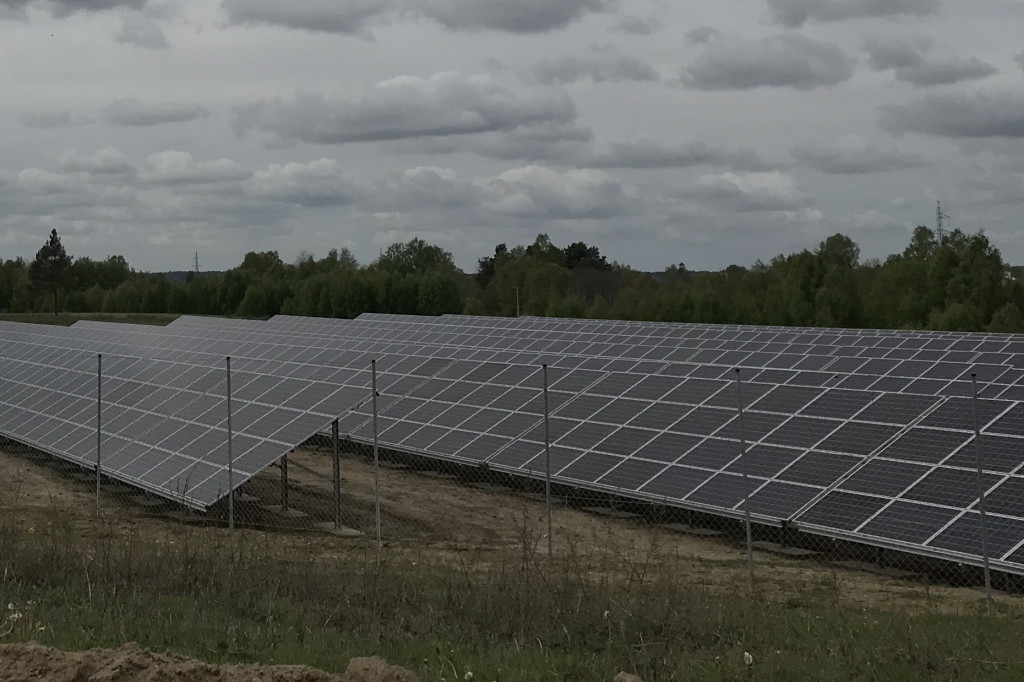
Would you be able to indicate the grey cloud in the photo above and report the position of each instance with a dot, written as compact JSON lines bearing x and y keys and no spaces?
{"x":639,"y":26}
{"x":602,"y":65}
{"x":980,"y":115}
{"x":421,"y":189}
{"x":406,"y":107}
{"x":702,"y":34}
{"x":323,"y":16}
{"x":795,"y":13}
{"x":355,"y":16}
{"x":1020,"y":60}
{"x":896,"y":54}
{"x":47,"y":120}
{"x":133,"y":112}
{"x":910,"y":64}
{"x":945,"y":71}
{"x":839,"y":161}
{"x":1005,"y":189}
{"x":750,"y":192}
{"x":548,"y":141}
{"x":648,"y":154}
{"x":62,"y":8}
{"x":179,"y":168}
{"x":142,"y":32}
{"x":541,"y":193}
{"x":318,"y":183}
{"x":514,"y":16}
{"x":786,"y":60}
{"x":106,"y":161}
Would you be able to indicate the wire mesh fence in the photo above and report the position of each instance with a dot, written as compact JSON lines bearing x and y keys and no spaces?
{"x":354,"y":482}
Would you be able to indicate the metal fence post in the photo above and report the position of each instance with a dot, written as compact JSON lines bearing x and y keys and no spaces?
{"x":99,"y":423}
{"x":284,"y":483}
{"x":336,"y":474}
{"x":231,"y":473}
{"x":376,"y":456}
{"x":746,"y":484}
{"x":981,"y":491}
{"x":547,"y":459}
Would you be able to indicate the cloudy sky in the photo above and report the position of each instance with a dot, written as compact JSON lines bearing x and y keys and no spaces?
{"x":707,"y":133}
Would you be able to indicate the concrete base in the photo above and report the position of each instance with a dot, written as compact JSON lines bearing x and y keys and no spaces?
{"x":288,"y":513}
{"x":776,"y":548}
{"x":342,"y":532}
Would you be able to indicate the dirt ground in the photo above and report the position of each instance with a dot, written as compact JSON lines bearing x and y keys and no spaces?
{"x":423,"y":513}
{"x":132,"y":663}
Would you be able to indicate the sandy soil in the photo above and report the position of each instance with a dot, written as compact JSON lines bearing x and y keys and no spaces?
{"x":423,"y":514}
{"x":132,"y":663}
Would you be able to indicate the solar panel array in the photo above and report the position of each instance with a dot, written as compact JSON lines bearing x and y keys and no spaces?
{"x":889,"y":461}
{"x":865,"y":435}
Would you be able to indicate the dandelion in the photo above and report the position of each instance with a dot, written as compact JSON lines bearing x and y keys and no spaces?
{"x":42,"y":628}
{"x":468,"y":676}
{"x":10,"y":607}
{"x":747,"y":658}
{"x":607,"y":614}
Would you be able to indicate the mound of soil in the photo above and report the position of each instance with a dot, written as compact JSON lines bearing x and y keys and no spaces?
{"x":132,"y":663}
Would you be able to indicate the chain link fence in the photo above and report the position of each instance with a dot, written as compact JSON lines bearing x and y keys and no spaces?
{"x":342,"y":484}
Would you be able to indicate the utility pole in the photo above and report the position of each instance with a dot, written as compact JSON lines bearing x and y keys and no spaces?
{"x":196,"y":264}
{"x":940,"y":220}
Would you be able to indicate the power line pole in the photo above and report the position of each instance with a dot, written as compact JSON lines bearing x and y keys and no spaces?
{"x":940,"y":220}
{"x":195,"y":264}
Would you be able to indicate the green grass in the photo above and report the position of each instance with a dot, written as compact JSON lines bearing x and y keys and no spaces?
{"x":66,"y":319}
{"x":273,"y":599}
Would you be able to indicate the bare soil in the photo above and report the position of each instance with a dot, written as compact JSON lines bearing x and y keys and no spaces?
{"x":132,"y":663}
{"x":426,"y":516}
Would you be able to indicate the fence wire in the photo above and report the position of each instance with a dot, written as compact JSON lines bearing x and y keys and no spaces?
{"x":369,"y":494}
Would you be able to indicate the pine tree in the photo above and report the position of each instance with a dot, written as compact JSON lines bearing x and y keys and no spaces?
{"x":51,"y":270}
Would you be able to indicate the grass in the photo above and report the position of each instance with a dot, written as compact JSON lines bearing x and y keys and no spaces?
{"x":67,"y":319}
{"x":272,"y":599}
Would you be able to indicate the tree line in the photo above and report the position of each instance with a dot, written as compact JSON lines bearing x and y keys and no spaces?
{"x":956,"y":282}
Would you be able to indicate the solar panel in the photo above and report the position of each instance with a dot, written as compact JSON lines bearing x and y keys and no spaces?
{"x":642,"y":409}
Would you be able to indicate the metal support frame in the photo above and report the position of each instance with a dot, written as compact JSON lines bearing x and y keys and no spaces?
{"x":99,"y":423}
{"x":231,"y":464}
{"x":547,"y":459}
{"x":284,"y":483}
{"x":376,"y":454}
{"x":335,"y":457}
{"x":746,"y":484}
{"x":981,"y":490}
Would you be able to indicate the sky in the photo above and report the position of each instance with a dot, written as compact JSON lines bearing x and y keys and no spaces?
{"x":708,"y":133}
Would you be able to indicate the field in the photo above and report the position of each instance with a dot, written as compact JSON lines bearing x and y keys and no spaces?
{"x":464,"y":583}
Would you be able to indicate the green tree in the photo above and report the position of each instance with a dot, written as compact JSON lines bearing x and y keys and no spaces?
{"x":51,"y":269}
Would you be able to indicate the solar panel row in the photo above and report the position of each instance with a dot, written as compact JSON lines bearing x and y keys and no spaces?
{"x":851,"y":434}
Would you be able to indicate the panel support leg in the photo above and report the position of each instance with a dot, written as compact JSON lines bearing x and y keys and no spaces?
{"x":284,"y":483}
{"x":337,"y":475}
